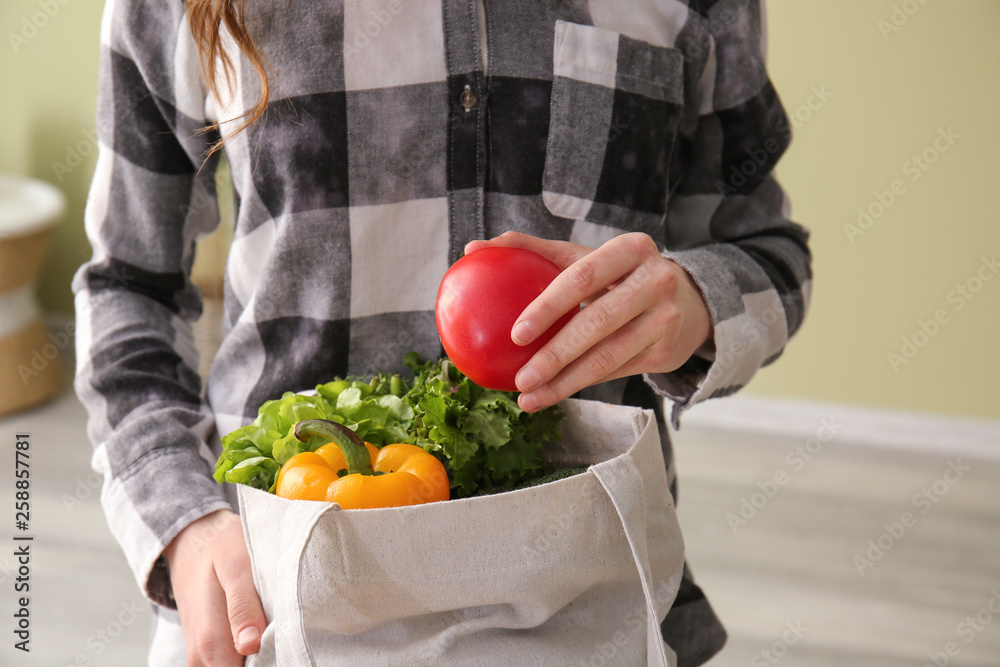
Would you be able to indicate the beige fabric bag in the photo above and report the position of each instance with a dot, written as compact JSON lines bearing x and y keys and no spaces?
{"x":580,"y":571}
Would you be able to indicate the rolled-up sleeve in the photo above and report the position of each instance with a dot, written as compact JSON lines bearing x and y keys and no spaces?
{"x":728,"y":220}
{"x":152,"y":196}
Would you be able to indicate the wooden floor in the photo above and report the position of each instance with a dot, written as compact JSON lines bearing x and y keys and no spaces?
{"x":786,"y":582}
{"x":803,"y":558}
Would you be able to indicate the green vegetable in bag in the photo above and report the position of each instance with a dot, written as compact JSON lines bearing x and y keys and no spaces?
{"x":481,"y":435}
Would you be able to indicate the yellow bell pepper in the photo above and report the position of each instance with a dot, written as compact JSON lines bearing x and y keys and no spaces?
{"x":357,"y":475}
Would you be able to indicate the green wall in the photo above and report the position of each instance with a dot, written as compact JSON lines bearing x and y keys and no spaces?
{"x":890,"y":92}
{"x":48,"y":74}
{"x":878,"y":96}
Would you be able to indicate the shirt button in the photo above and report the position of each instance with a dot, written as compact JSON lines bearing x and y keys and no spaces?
{"x":468,"y":99}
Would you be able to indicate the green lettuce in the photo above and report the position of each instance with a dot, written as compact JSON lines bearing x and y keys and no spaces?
{"x":483,"y":438}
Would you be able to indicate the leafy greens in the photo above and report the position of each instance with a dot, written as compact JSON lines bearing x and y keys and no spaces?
{"x":481,"y":435}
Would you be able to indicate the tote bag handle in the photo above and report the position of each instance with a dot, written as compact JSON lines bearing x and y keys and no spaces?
{"x":622,"y":481}
{"x":291,"y":647}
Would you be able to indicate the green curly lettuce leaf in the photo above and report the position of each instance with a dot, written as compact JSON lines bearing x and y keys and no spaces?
{"x":483,"y":438}
{"x":254,"y":453}
{"x":481,"y":435}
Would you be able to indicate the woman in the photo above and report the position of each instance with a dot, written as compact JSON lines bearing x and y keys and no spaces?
{"x":370,"y":145}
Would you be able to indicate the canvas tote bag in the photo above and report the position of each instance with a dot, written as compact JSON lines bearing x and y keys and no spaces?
{"x":580,"y":571}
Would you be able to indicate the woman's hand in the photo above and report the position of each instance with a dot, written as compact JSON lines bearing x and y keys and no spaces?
{"x":219,"y":607}
{"x":643,"y":314}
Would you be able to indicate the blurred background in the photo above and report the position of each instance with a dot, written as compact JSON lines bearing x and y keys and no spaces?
{"x":892,"y":166}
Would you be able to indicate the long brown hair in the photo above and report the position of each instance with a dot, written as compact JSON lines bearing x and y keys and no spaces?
{"x":206,"y":18}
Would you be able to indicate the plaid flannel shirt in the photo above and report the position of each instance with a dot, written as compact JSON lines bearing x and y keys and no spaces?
{"x":397,"y":131}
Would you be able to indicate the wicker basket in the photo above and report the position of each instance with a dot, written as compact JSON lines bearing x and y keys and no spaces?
{"x":31,"y":371}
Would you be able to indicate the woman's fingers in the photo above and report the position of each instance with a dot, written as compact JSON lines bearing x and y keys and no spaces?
{"x":586,"y":274}
{"x":206,"y":628}
{"x":629,"y":350}
{"x":647,"y":285}
{"x":560,"y":253}
{"x":212,"y":582}
{"x":666,"y":321}
{"x":644,"y":314}
{"x":243,"y":608}
{"x":598,"y":322}
{"x":585,"y":279}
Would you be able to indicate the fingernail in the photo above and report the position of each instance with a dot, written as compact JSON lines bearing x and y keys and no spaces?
{"x":522,"y":333}
{"x":529,"y":403}
{"x":247,"y":635}
{"x":472,"y":246}
{"x":527,"y":379}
